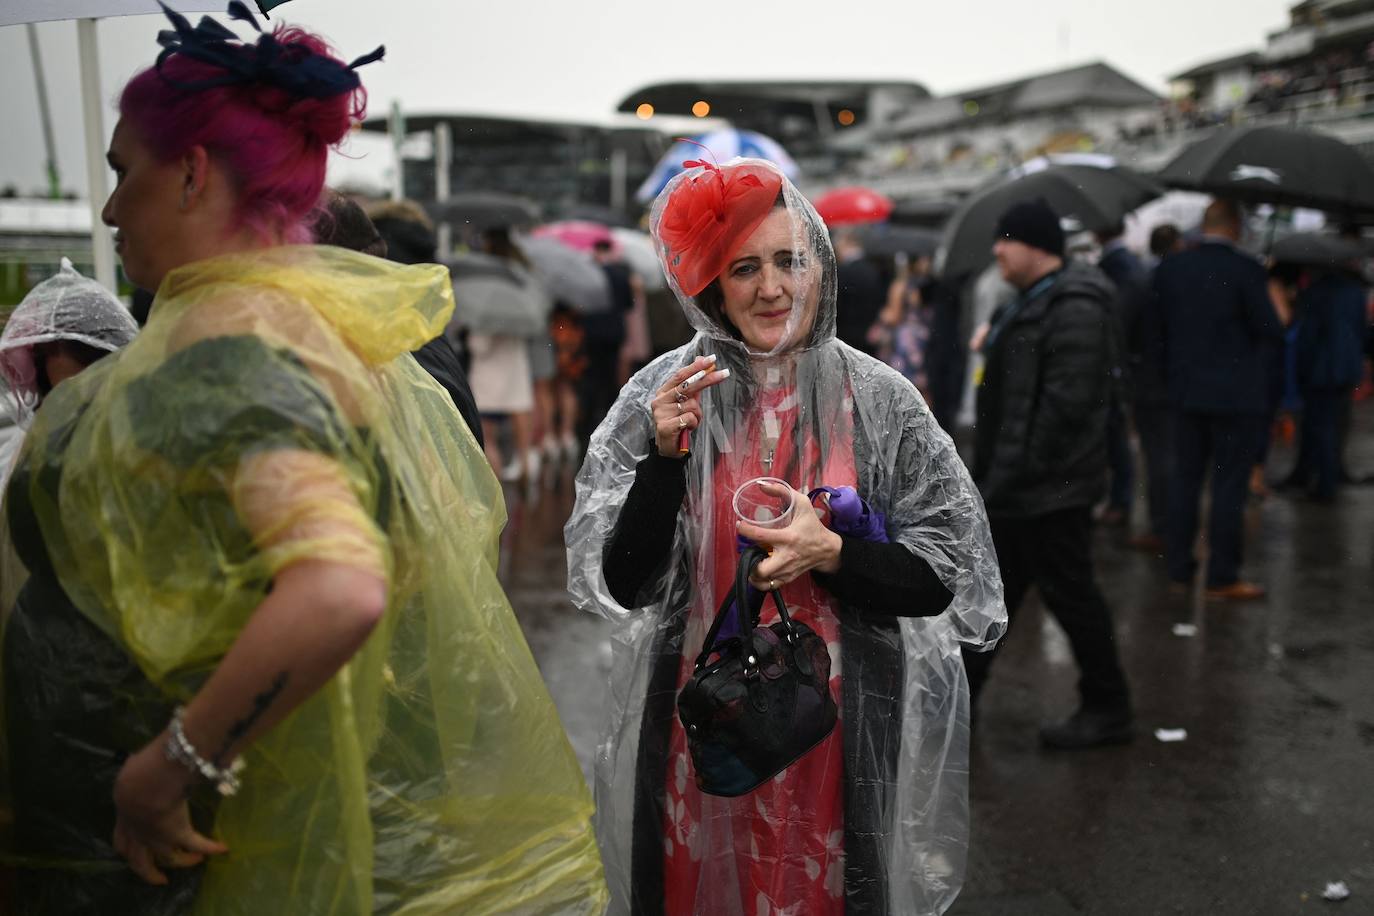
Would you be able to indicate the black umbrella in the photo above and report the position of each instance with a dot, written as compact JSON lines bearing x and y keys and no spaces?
{"x":886,"y":240}
{"x":1085,"y":197}
{"x":483,"y":210}
{"x":1311,"y":249}
{"x":923,"y":211}
{"x":1276,"y":165}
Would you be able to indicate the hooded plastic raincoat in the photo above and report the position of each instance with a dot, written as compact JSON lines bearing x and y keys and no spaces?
{"x":64,"y":307}
{"x":431,"y":774}
{"x":892,"y":838}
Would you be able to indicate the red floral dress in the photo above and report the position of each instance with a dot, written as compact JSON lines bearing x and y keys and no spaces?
{"x":779,"y":849}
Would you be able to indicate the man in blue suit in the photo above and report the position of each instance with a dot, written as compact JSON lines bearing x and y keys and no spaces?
{"x":1330,"y":362}
{"x":1217,"y":327}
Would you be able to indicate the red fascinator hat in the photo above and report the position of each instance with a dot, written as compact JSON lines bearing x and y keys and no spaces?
{"x":708,"y":216}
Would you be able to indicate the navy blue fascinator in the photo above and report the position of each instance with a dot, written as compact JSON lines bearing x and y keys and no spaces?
{"x":294,"y":69}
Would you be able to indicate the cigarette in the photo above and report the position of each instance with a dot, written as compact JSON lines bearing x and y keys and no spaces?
{"x":684,"y":438}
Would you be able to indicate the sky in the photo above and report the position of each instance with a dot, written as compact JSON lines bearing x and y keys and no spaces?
{"x":577,"y":60}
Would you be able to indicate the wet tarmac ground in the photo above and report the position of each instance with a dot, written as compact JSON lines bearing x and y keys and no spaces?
{"x":1269,"y":797}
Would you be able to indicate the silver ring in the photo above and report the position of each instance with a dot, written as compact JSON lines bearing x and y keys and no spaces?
{"x":772,"y":585}
{"x":680,"y":408}
{"x":681,"y":396}
{"x":681,"y":422}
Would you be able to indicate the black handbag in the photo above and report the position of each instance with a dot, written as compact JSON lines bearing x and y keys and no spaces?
{"x":763,"y":703}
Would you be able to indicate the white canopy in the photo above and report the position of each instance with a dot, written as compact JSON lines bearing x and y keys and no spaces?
{"x":15,"y":12}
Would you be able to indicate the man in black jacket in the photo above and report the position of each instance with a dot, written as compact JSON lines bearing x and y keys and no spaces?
{"x":1217,"y":328}
{"x":1041,"y":457}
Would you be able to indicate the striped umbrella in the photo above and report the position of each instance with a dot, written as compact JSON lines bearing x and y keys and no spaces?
{"x":724,"y":145}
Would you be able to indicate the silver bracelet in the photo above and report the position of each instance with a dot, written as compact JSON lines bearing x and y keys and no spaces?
{"x":180,"y":750}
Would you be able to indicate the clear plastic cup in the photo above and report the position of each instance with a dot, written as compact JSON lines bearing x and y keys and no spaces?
{"x":757,"y":506}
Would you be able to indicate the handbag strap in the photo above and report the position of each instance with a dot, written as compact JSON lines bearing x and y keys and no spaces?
{"x":750,"y":558}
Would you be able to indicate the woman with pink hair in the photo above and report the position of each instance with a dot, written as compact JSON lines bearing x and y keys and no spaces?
{"x":263,"y":663}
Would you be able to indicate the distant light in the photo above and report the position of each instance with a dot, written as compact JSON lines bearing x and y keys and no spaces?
{"x":845,"y":117}
{"x":971,"y":108}
{"x":645,"y":111}
{"x":701,"y":108}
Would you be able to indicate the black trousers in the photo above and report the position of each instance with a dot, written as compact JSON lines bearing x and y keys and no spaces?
{"x":1227,"y":445}
{"x":599,"y":385}
{"x":1155,"y":426}
{"x":1321,"y":439}
{"x":1054,"y":553}
{"x":1119,"y":460}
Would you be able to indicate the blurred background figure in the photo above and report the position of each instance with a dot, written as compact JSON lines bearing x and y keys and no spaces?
{"x":1218,"y":328}
{"x":901,"y":335}
{"x":502,"y":376}
{"x":861,"y":294}
{"x":559,"y":415}
{"x":1330,"y":327}
{"x":63,"y":325}
{"x":1148,"y":394}
{"x":604,"y":335}
{"x":344,"y":223}
{"x":1129,"y":277}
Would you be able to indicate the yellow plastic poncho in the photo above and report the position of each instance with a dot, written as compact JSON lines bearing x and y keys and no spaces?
{"x":269,"y":413}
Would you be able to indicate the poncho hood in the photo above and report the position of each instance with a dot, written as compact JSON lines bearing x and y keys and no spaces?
{"x":379,"y":308}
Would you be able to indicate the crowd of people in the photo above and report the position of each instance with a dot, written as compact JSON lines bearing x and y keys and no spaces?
{"x":1096,"y":380}
{"x":256,"y":656}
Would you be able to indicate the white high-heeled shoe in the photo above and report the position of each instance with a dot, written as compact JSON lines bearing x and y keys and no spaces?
{"x":570,"y":448}
{"x":512,"y":472}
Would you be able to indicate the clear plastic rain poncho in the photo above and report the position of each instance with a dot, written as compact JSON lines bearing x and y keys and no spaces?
{"x":892,"y":838}
{"x":64,"y":307}
{"x":269,"y":413}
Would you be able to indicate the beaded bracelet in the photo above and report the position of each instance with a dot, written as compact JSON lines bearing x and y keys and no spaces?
{"x":180,"y":750}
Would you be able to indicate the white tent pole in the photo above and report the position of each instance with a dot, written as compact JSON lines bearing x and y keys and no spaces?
{"x":443,"y":170}
{"x":98,"y":188}
{"x":44,"y":115}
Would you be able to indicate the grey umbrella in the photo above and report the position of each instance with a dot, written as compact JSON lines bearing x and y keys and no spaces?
{"x":491,"y":297}
{"x":570,"y":276}
{"x":483,"y":210}
{"x":637,"y":248}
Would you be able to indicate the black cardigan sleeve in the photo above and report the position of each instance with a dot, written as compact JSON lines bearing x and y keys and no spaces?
{"x":638,"y":549}
{"x":885,"y":579}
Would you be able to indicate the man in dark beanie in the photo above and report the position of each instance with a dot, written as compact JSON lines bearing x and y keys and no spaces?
{"x":1041,"y":457}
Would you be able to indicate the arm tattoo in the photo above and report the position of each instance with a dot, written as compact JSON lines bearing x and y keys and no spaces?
{"x":260,"y":704}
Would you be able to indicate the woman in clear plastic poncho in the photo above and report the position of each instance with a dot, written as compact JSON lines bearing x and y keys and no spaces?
{"x":875,"y":818}
{"x":63,"y":324}
{"x":264,"y":512}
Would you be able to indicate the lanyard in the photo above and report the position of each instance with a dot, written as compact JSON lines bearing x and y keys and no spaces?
{"x":1019,"y":303}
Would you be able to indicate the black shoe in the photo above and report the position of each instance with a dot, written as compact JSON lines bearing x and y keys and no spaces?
{"x":1291,"y":482}
{"x":1088,"y":728}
